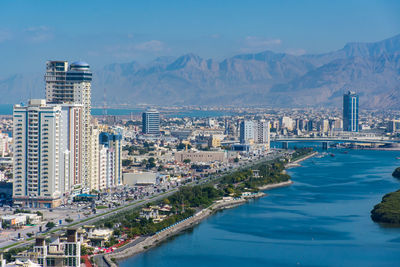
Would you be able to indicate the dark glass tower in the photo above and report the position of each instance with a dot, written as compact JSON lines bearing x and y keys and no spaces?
{"x":151,"y":122}
{"x":350,"y":112}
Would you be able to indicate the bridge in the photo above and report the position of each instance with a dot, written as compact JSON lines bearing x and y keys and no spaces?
{"x":336,"y":139}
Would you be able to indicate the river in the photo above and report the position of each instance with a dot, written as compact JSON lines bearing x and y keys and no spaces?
{"x":323,"y":219}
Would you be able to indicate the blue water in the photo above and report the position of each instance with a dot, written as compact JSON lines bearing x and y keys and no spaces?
{"x":7,"y":109}
{"x":323,"y":219}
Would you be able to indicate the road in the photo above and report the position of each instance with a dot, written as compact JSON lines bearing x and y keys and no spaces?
{"x":99,"y":258}
{"x":137,"y":203}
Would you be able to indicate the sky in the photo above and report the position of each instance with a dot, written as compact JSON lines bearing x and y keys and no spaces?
{"x":102,"y":32}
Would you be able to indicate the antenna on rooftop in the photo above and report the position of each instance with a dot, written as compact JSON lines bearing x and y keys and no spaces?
{"x":104,"y":104}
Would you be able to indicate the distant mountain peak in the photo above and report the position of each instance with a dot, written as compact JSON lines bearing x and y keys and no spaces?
{"x":266,"y":78}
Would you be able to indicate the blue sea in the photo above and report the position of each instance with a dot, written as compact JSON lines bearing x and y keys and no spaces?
{"x":323,"y":219}
{"x":6,"y":109}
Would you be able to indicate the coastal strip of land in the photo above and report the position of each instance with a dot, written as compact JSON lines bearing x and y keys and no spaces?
{"x":157,"y":238}
{"x":188,"y":223}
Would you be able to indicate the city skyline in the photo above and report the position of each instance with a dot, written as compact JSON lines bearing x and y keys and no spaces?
{"x":206,"y":106}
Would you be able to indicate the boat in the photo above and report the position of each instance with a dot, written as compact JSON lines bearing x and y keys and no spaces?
{"x":397,"y":157}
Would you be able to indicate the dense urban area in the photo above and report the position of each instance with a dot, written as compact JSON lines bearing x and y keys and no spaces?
{"x":75,"y":187}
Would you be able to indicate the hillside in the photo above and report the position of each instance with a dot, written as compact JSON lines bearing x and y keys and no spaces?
{"x":266,"y":78}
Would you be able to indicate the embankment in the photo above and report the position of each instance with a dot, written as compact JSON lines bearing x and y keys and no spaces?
{"x":157,"y":238}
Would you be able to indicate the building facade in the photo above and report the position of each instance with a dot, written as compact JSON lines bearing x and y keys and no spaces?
{"x":70,"y":151}
{"x":262,"y":132}
{"x":113,"y":141}
{"x":257,"y":132}
{"x":36,"y":168}
{"x":200,"y":156}
{"x":350,"y":112}
{"x":246,"y":131}
{"x":151,"y":122}
{"x":72,"y":84}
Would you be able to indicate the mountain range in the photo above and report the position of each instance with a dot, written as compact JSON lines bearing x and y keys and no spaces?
{"x":265,"y":78}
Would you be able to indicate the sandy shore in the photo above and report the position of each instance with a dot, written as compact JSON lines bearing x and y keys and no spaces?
{"x":277,"y":185}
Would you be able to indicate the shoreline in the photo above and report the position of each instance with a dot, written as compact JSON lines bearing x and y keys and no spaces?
{"x":303,"y":158}
{"x":112,"y":258}
{"x":156,"y":239}
{"x":276,"y":185}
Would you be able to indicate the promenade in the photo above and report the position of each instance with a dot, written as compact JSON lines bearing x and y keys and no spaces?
{"x":172,"y":230}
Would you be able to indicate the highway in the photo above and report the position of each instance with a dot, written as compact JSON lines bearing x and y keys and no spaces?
{"x":137,"y":203}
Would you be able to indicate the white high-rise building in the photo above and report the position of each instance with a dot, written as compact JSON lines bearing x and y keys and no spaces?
{"x":37,"y":142}
{"x":4,"y":144}
{"x":70,"y":147}
{"x":103,"y":167}
{"x":113,"y":141}
{"x":94,"y":158}
{"x":257,"y":132}
{"x":72,"y":85}
{"x":287,"y":122}
{"x":323,"y":126}
{"x":262,"y":133}
{"x":246,"y":131}
{"x":52,"y":155}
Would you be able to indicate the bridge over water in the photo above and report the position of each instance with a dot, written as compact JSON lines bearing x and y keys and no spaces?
{"x":335,"y":139}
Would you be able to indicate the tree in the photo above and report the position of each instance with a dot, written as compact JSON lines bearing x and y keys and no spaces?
{"x":86,"y":250}
{"x":50,"y":225}
{"x":182,"y":146}
{"x":186,"y":161}
{"x":144,"y":162}
{"x":151,"y":163}
{"x":135,"y":231}
{"x":117,"y":232}
{"x":126,"y":162}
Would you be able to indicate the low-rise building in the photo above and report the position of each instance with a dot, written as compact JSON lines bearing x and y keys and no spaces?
{"x":149,"y":213}
{"x":98,"y":237}
{"x":55,"y":250}
{"x":14,"y":220}
{"x":140,"y":178}
{"x":200,"y":156}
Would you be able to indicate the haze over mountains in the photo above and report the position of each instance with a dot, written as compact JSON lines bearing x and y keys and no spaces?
{"x":266,"y":78}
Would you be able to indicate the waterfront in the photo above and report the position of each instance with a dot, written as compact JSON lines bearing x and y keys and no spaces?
{"x":323,"y":219}
{"x":7,"y":109}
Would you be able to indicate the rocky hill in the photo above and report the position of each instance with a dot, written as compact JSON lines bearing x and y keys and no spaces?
{"x":266,"y":78}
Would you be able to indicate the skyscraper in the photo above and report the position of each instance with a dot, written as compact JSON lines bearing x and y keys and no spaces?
{"x":70,"y":150}
{"x":36,"y":132}
{"x":350,"y":112}
{"x":262,"y":132}
{"x":151,"y":122}
{"x":246,"y":131}
{"x":72,"y":84}
{"x":47,"y":160}
{"x":113,"y":141}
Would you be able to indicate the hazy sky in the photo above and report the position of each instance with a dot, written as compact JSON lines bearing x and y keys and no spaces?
{"x":102,"y":32}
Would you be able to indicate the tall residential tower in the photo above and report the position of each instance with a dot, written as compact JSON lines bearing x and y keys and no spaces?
{"x":72,"y":85}
{"x":36,"y":133}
